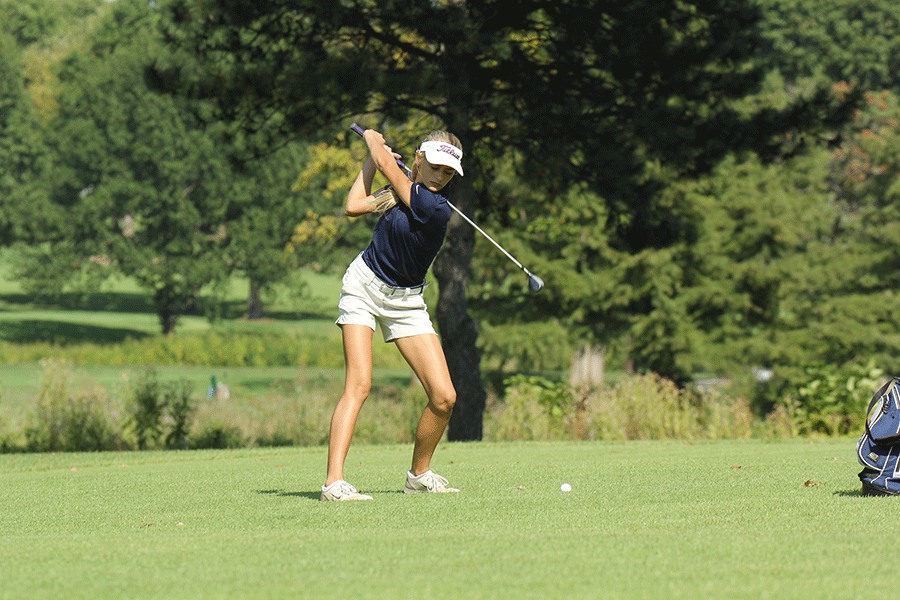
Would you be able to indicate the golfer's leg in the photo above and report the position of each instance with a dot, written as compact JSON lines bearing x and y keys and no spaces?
{"x":426,"y":357}
{"x":358,"y":382}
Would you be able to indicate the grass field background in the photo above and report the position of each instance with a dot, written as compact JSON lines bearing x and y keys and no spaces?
{"x":724,"y":519}
{"x":777,"y":518}
{"x":120,"y":311}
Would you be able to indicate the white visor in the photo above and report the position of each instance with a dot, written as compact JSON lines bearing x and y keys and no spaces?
{"x":442,"y":153}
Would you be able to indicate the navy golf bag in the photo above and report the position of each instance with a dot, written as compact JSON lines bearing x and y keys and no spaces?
{"x":878,"y":449}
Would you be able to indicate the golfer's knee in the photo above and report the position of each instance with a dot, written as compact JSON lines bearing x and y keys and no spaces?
{"x":443,"y":401}
{"x":357,"y":391}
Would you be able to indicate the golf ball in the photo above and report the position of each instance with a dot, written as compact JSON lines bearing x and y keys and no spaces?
{"x":565,"y":487}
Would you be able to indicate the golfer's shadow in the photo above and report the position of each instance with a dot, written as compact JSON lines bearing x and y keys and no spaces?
{"x":284,"y":494}
{"x":310,"y":495}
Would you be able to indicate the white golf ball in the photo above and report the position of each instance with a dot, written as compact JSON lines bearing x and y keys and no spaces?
{"x":565,"y":487}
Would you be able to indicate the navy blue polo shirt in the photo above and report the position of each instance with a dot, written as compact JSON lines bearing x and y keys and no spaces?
{"x":407,"y":238}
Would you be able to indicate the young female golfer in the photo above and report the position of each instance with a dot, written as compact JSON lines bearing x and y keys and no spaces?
{"x":384,"y":285}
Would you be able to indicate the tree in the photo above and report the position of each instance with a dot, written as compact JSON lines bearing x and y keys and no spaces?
{"x":143,"y":188}
{"x":833,"y":40}
{"x":36,"y":21}
{"x":793,"y":256}
{"x":587,"y":92}
{"x":260,"y":229}
{"x":140,"y":188}
{"x":23,"y":167}
{"x":324,"y":239}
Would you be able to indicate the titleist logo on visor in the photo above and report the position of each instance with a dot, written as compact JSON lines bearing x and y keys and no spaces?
{"x":451,"y":150}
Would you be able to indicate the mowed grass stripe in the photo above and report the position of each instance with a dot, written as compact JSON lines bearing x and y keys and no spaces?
{"x":724,"y":519}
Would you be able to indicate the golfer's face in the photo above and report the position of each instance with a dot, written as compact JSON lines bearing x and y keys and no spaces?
{"x":435,"y":177}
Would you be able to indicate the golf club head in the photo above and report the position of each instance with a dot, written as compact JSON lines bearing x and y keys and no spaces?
{"x":534,"y":283}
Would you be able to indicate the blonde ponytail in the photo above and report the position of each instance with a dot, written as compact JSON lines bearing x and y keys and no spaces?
{"x":384,"y":199}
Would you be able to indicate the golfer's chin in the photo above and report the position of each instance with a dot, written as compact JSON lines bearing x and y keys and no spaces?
{"x":433,"y":187}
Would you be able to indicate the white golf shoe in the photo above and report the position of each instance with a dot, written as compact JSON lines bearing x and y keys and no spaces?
{"x":341,"y":490}
{"x":426,"y":482}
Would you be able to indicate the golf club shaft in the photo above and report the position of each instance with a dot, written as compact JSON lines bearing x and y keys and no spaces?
{"x":359,"y":130}
{"x":482,"y":232}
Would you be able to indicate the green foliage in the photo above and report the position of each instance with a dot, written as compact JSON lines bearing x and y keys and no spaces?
{"x":823,"y":401}
{"x":324,"y":238}
{"x":769,"y":260}
{"x":640,"y":94}
{"x":23,"y":157}
{"x":536,"y":408}
{"x":65,"y":420}
{"x":34,"y":21}
{"x":147,"y":411}
{"x":218,"y":436}
{"x":533,"y":346}
{"x":828,"y":399}
{"x":556,"y":398}
{"x":160,"y":414}
{"x":795,"y":262}
{"x":181,"y":407}
{"x":45,"y":270}
{"x":143,"y":189}
{"x":833,"y":39}
{"x":267,"y":207}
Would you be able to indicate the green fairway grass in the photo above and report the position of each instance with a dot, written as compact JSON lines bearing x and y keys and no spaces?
{"x":724,"y":519}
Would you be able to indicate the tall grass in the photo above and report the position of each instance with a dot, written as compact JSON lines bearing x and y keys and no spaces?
{"x":72,"y":413}
{"x":144,"y":412}
{"x":301,"y":416}
{"x":636,"y":407}
{"x":66,"y":418}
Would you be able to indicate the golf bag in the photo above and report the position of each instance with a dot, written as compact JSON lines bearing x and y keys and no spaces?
{"x":878,"y":448}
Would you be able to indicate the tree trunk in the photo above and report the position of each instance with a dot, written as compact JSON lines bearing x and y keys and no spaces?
{"x":168,"y":309}
{"x":459,"y":332}
{"x":254,"y":302}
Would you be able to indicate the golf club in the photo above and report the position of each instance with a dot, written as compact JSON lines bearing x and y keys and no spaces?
{"x":534,"y":282}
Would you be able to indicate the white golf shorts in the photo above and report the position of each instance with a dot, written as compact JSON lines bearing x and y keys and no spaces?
{"x":367,"y":300}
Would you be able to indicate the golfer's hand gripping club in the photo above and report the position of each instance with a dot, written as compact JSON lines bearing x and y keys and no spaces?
{"x":534,"y":282}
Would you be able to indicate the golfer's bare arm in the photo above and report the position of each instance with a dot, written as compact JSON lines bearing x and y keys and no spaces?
{"x":381,"y":159}
{"x":358,"y":200}
{"x":386,"y":163}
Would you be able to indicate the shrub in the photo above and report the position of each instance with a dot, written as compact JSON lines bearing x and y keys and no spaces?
{"x":147,"y":410}
{"x":160,"y":413}
{"x":211,"y":348}
{"x":830,"y":400}
{"x":300,"y":415}
{"x":180,"y":410}
{"x":536,"y":408}
{"x":637,"y":407}
{"x":219,"y":437}
{"x":66,"y":421}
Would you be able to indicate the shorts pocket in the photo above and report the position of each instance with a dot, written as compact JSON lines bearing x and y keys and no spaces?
{"x":416,"y":302}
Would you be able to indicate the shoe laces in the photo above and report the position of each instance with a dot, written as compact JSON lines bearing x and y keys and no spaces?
{"x":346,"y":489}
{"x":433,"y":481}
